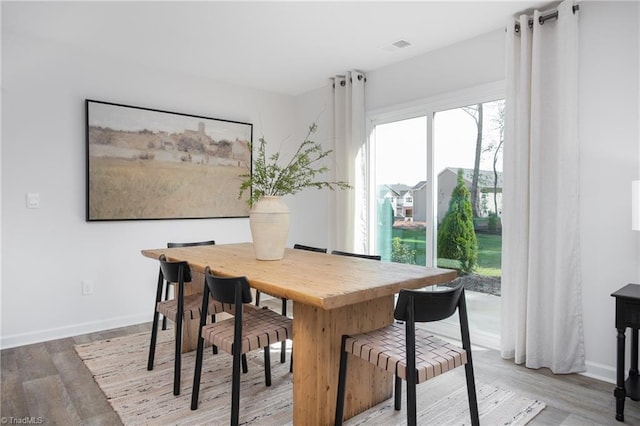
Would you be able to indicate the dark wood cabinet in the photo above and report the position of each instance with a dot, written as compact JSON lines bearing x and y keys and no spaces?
{"x":627,"y":315}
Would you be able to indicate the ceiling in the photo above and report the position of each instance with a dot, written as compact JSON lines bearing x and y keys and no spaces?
{"x":283,"y":47}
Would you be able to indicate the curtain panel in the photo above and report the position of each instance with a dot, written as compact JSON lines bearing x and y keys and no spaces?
{"x":347,"y":222}
{"x":541,"y":276}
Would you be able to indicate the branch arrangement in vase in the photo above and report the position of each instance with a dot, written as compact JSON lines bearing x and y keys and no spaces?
{"x":271,"y":179}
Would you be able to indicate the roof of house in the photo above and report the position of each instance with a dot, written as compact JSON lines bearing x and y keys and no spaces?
{"x":398,"y":188}
{"x":418,"y":186}
{"x":485,"y":179}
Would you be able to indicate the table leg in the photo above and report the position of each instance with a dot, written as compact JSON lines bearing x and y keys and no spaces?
{"x":190,"y":327}
{"x":316,"y":338}
{"x":620,"y":392}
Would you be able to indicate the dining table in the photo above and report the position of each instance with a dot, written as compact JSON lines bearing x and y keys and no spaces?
{"x":332,"y":295}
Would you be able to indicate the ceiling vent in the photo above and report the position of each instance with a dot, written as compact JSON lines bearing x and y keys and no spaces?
{"x":401,"y":44}
{"x":395,"y":45}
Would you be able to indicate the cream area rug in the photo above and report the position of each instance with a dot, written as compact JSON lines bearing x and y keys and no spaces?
{"x":142,"y":397}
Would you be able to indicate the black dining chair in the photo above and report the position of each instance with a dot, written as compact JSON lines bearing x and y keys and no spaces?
{"x":283,"y":310}
{"x":168,"y":286}
{"x":363,"y":256}
{"x":178,"y":310}
{"x":413,"y":354}
{"x":309,"y":248}
{"x":250,"y":329}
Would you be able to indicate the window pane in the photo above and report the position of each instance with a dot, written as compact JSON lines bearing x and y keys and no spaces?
{"x":468,"y":162}
{"x":400,"y":174}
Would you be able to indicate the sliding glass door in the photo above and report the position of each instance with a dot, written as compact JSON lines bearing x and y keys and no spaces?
{"x":436,"y":197}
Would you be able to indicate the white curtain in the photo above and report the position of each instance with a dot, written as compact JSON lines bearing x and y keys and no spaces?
{"x":348,"y":210}
{"x":541,"y":282}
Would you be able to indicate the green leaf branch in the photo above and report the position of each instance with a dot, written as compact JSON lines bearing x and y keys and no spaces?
{"x":271,"y":179}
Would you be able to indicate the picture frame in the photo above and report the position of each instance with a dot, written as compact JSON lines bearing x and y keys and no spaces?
{"x":150,"y":164}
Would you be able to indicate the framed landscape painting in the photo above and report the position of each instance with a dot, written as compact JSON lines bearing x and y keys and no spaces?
{"x":150,"y":164}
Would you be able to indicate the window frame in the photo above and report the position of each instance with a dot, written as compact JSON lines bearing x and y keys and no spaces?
{"x":425,"y":107}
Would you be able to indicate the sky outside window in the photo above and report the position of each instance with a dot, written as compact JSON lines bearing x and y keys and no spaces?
{"x":401,"y":146}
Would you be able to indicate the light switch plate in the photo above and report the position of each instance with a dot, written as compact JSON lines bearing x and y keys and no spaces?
{"x":33,"y":200}
{"x":87,"y":287}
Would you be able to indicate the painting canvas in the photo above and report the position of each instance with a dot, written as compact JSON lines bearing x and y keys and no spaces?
{"x":150,"y":164}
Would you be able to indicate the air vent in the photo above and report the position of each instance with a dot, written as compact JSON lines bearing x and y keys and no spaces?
{"x":401,"y":44}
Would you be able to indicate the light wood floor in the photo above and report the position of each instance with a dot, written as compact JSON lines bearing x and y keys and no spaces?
{"x":48,"y":380}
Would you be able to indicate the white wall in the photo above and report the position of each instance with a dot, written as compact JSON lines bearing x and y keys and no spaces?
{"x":309,"y":208}
{"x":48,"y":251}
{"x":610,"y":140}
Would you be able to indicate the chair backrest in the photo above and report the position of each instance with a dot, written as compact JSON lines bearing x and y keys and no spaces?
{"x":175,"y":272}
{"x":224,"y":289}
{"x":364,"y":256}
{"x":309,"y":248}
{"x":192,"y":244}
{"x":428,"y":305}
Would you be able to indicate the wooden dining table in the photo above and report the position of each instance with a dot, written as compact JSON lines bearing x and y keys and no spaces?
{"x":332,"y":295}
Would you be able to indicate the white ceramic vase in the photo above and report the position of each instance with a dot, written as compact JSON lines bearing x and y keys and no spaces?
{"x":269,"y":221}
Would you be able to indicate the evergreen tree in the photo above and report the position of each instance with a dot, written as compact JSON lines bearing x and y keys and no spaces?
{"x":456,"y":235}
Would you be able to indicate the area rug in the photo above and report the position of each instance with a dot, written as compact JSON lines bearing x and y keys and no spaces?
{"x":142,"y":397}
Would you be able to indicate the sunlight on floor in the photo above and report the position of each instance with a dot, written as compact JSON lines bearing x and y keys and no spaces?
{"x":483,"y":311}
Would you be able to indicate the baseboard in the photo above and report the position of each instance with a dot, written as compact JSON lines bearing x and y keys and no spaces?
{"x":598,"y":371}
{"x":39,"y":336}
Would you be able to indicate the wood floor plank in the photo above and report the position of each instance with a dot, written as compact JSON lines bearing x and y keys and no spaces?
{"x":87,"y":398}
{"x":48,"y":400}
{"x":564,"y":394}
{"x":13,"y":397}
{"x":34,"y":362}
{"x":59,"y":345}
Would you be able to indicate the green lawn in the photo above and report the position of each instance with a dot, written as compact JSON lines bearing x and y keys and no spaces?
{"x":489,"y":250}
{"x":489,"y":255}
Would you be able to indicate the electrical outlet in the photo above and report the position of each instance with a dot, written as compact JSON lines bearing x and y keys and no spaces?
{"x":87,"y":287}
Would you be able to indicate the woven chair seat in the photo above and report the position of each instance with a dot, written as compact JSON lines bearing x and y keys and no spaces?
{"x":386,"y":349}
{"x":192,"y":307}
{"x":260,"y":328}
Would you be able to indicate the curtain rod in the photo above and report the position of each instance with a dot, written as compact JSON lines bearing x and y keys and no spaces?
{"x":544,"y":18}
